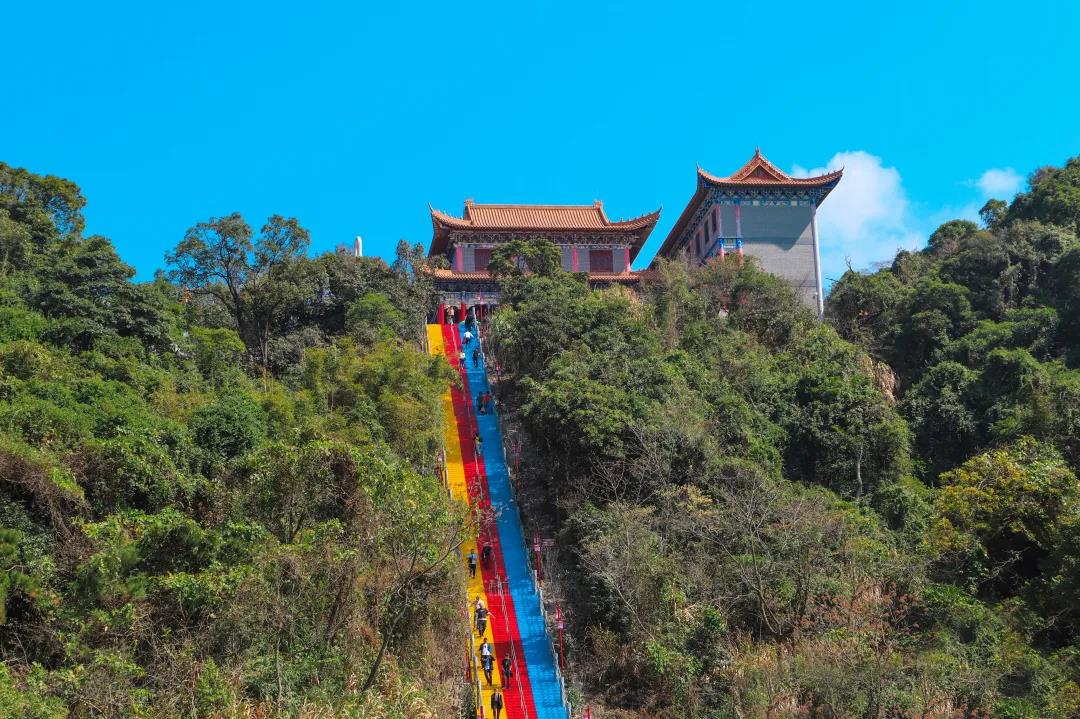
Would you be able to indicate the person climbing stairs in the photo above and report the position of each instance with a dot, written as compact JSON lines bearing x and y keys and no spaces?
{"x":515,"y":626}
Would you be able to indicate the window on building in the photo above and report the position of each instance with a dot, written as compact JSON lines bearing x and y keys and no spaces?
{"x":482,"y":257}
{"x":601,"y":261}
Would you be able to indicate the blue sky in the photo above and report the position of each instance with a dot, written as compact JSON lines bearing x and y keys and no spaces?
{"x":352,"y":117}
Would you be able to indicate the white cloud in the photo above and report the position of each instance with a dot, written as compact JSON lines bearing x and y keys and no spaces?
{"x":967,"y":211}
{"x":867,"y":218}
{"x":1000,"y":182}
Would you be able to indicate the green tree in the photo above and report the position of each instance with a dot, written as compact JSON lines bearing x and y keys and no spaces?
{"x":413,"y":267}
{"x":867,"y":309}
{"x":937,"y":313}
{"x":16,"y":243}
{"x":374,"y":317}
{"x":982,"y":264}
{"x":757,"y":302}
{"x":944,"y":422}
{"x":407,"y":283}
{"x":13,"y":578}
{"x":1053,"y":196}
{"x":178,"y":541}
{"x":1001,"y":514}
{"x":252,"y":277}
{"x":28,"y":699}
{"x":1065,"y":279}
{"x":131,"y":470}
{"x":49,"y":207}
{"x":946,"y":239}
{"x":416,"y":534}
{"x":229,"y":427}
{"x":219,"y":354}
{"x":515,"y":258}
{"x":842,"y":432}
{"x":993,"y":213}
{"x":293,"y":488}
{"x":84,"y":284}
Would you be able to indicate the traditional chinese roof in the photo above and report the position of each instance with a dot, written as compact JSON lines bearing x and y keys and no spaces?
{"x":757,"y":174}
{"x":552,"y":219}
{"x":759,"y":171}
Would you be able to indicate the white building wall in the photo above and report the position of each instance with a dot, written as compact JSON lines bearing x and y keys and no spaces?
{"x":780,"y":237}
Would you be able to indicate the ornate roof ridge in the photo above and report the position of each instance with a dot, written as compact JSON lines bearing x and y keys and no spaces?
{"x":596,"y":204}
{"x":440,"y":216}
{"x":760,"y":171}
{"x":541,"y":219}
{"x":755,"y":177}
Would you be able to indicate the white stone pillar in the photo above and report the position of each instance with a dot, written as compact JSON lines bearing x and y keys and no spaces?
{"x":817,"y":261}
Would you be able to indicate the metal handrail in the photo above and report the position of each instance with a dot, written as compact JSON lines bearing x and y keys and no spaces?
{"x":484,"y":521}
{"x":536,"y":583}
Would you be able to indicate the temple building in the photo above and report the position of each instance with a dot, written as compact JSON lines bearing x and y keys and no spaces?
{"x":762,"y":211}
{"x":589,"y":241}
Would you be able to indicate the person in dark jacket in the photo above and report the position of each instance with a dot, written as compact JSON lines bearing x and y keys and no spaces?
{"x":480,"y":617}
{"x":485,"y":555}
{"x":488,"y":665}
{"x":507,"y":670}
{"x":496,"y":703}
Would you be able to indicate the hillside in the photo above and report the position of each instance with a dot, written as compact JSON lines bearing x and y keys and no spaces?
{"x":760,"y":515}
{"x":219,"y":491}
{"x":221,"y":501}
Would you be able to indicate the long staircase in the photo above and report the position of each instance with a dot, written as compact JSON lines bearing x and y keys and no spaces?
{"x":517,"y":628}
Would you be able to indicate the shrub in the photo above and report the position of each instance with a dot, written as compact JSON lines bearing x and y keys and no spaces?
{"x":229,"y":427}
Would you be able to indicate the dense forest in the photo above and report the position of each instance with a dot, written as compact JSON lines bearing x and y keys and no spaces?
{"x":219,"y":494}
{"x":762,"y":515}
{"x":220,"y":500}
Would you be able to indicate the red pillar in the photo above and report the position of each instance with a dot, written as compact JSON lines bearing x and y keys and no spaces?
{"x":573,"y":257}
{"x":442,"y":313}
{"x":459,"y":258}
{"x":626,"y":258}
{"x":561,"y":625}
{"x":536,"y":548}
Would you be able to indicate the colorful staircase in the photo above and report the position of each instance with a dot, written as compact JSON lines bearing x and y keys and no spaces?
{"x":516,"y":627}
